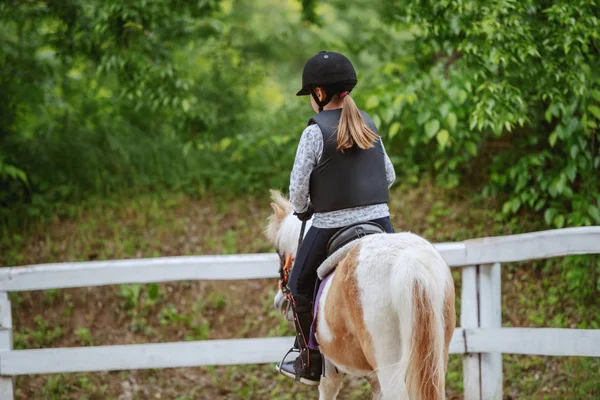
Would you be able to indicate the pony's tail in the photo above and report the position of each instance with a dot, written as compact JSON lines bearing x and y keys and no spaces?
{"x":420,"y":301}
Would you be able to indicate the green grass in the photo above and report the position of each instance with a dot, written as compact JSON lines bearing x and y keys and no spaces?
{"x":551,"y":293}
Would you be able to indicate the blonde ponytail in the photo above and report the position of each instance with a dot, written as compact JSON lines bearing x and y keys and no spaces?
{"x":352,"y":128}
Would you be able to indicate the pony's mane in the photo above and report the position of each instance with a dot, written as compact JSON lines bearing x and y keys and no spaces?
{"x":281,"y":201}
{"x":283,"y":229}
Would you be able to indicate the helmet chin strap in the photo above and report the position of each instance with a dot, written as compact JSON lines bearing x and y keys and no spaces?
{"x":320,"y":103}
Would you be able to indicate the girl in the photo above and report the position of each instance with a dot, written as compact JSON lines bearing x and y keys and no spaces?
{"x":342,"y":166}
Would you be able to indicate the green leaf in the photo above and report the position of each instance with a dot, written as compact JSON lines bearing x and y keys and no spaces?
{"x":389,"y":115}
{"x":574,"y":151}
{"x":551,"y":112}
{"x":515,"y":205}
{"x":561,"y":131}
{"x":559,"y":185}
{"x":376,"y":120}
{"x":13,"y":173}
{"x":594,"y":213}
{"x":153,"y":291}
{"x":571,"y":172}
{"x":471,"y":148}
{"x":372,"y":102}
{"x":394,"y":129}
{"x":594,"y":110}
{"x":443,"y":137}
{"x":473,"y":123}
{"x":572,"y":126}
{"x":559,"y":221}
{"x":225,"y":143}
{"x":540,"y":203}
{"x":422,"y":117}
{"x":452,"y":120}
{"x":444,"y":108}
{"x":549,"y":215}
{"x":185,"y":105}
{"x":552,"y":139}
{"x":431,"y":128}
{"x":596,"y":95}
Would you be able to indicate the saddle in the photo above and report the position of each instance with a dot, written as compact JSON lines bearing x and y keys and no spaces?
{"x":341,"y":243}
{"x":350,"y":233}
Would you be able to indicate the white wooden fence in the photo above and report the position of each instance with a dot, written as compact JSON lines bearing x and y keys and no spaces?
{"x":480,"y":338}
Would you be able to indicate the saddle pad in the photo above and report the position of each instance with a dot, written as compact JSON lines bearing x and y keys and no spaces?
{"x":333,"y":260}
{"x":346,"y":242}
{"x":312,"y":340}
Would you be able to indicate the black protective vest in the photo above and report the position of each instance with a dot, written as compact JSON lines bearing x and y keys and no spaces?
{"x":353,"y":178}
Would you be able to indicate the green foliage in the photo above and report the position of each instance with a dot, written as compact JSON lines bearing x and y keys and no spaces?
{"x":510,"y":89}
{"x":309,"y":11}
{"x":216,"y":301}
{"x":41,"y":336}
{"x":100,"y":98}
{"x":582,"y":276}
{"x":56,"y":388}
{"x":84,"y":336}
{"x":140,"y":302}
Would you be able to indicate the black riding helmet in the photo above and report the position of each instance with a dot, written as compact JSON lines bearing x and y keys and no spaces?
{"x":329,"y":70}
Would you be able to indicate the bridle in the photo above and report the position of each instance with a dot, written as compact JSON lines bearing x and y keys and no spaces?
{"x":285,"y":266}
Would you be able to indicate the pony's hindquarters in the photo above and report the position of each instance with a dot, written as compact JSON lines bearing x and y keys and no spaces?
{"x":420,"y":281}
{"x":411,"y":333}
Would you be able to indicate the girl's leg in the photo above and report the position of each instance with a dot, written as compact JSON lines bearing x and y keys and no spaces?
{"x":312,"y":252}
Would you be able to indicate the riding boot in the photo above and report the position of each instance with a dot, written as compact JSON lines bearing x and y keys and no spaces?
{"x":308,"y":365}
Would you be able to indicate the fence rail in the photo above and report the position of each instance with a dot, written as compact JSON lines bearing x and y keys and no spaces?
{"x":527,"y":246}
{"x":480,"y":338}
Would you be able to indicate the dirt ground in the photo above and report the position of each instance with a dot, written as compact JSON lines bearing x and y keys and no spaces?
{"x":174,"y":224}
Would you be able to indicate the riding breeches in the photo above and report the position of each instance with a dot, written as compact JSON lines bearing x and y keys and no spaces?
{"x":312,"y":252}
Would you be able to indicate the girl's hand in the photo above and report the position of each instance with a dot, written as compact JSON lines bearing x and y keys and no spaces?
{"x":306,"y":215}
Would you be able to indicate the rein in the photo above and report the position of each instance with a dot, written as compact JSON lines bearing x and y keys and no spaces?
{"x":301,"y":235}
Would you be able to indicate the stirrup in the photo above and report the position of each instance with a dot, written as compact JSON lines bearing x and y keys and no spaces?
{"x":292,"y":350}
{"x":296,"y":375}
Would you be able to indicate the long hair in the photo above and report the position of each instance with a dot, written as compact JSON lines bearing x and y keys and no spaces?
{"x":352,"y":128}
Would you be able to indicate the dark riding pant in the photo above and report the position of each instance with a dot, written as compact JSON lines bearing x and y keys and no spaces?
{"x":312,"y":252}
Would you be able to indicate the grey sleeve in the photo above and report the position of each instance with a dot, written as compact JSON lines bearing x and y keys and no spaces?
{"x":309,"y":151}
{"x":390,"y":173}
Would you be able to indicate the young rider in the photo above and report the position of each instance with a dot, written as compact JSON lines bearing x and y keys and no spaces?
{"x":341,"y":165}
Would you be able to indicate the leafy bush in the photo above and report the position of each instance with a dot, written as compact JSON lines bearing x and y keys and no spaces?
{"x":510,"y":89}
{"x":99,"y":98}
{"x":96,"y":98}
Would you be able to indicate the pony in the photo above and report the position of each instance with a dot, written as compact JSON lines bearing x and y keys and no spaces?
{"x":387,"y":314}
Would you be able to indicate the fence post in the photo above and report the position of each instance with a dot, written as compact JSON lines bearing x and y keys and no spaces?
{"x":490,"y":316}
{"x":469,"y":318}
{"x":6,"y":344}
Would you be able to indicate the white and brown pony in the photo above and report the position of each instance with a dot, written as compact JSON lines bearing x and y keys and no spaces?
{"x":387,"y":314}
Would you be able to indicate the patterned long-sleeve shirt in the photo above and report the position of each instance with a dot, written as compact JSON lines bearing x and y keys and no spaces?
{"x":308,"y":155}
